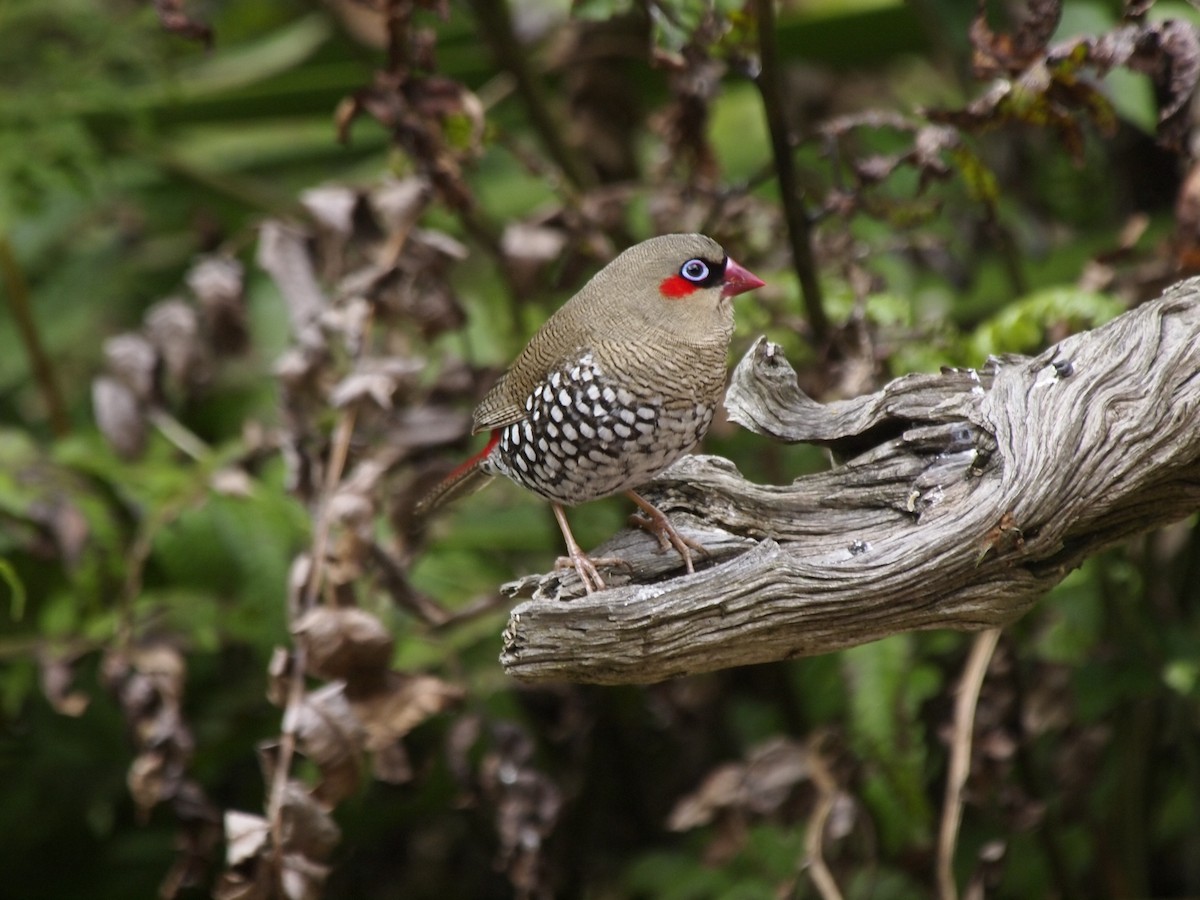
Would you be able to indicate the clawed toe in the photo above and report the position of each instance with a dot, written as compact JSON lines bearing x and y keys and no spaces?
{"x":653,"y":521}
{"x":585,"y":567}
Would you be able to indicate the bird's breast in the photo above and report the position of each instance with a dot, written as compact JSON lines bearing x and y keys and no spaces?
{"x":589,"y":431}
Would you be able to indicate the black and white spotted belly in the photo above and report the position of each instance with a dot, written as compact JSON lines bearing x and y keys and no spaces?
{"x":585,"y":436}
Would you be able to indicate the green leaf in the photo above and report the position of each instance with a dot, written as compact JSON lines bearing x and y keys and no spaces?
{"x":1021,"y":327}
{"x":599,"y":10}
{"x":16,"y":588}
{"x":979,"y":180}
{"x":887,"y":687}
{"x":282,"y":50}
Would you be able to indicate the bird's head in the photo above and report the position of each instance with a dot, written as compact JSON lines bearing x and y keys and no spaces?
{"x":682,"y":283}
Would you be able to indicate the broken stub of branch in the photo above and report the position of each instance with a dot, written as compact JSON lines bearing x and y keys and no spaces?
{"x":959,"y":499}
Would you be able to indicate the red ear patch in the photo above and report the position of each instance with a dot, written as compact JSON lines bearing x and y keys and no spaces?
{"x":676,"y":286}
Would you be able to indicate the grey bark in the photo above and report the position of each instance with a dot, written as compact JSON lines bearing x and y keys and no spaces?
{"x":958,"y":500}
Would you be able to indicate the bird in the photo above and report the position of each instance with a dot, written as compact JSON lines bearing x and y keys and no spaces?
{"x":617,"y":384}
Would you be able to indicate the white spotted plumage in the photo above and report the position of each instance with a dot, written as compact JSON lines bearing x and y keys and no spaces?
{"x":621,"y":381}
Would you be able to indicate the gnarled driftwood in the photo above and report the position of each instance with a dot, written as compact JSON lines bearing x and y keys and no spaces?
{"x":961,"y":498}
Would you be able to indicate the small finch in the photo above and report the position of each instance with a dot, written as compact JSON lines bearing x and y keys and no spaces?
{"x":617,"y":384}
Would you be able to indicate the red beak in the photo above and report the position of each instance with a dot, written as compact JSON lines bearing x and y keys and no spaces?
{"x":739,"y":280}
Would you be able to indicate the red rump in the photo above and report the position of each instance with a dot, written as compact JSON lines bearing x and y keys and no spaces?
{"x":474,"y":460}
{"x":676,"y":286}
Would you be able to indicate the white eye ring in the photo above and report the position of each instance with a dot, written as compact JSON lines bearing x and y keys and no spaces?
{"x":694,"y":270}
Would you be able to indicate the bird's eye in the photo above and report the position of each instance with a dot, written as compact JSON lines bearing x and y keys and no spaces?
{"x":694,"y":270}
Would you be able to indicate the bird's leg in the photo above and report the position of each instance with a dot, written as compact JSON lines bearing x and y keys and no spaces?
{"x":655,"y":522}
{"x":584,"y":565}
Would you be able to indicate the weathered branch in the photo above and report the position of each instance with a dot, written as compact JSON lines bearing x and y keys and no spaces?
{"x":961,"y":498}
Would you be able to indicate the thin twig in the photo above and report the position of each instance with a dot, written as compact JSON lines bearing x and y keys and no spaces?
{"x":826,"y":786}
{"x":178,"y":434}
{"x":480,"y":606}
{"x":17,"y":291}
{"x":308,"y":597}
{"x":974,"y":671}
{"x":395,"y":581}
{"x":770,"y":87}
{"x":339,"y":451}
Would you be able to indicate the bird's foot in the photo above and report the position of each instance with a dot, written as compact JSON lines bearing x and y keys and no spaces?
{"x":585,"y":567}
{"x":654,"y":521}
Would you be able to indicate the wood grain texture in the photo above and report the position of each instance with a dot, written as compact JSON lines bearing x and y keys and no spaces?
{"x":959,"y":499}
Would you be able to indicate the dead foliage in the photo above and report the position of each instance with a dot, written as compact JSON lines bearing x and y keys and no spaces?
{"x":370,"y":417}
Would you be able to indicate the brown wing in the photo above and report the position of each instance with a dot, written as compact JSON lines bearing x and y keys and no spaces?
{"x":562,"y":338}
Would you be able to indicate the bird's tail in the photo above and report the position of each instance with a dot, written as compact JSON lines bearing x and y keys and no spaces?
{"x":466,"y":479}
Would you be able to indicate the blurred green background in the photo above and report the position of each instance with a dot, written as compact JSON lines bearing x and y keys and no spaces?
{"x":128,"y":151}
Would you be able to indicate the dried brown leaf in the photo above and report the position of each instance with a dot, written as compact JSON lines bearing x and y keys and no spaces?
{"x":347,"y":643}
{"x":528,"y":249}
{"x":532,"y":244}
{"x":232,"y":482}
{"x":349,"y":318}
{"x":332,"y":206}
{"x":759,"y":786}
{"x":278,"y":676}
{"x":773,"y":769}
{"x":721,"y":789}
{"x":398,"y":204}
{"x":247,"y":842}
{"x":300,"y":574}
{"x":218,"y":284}
{"x":1135,"y":9}
{"x":1187,"y":222}
{"x":1048,"y":89}
{"x":119,"y":416}
{"x":173,"y":328}
{"x":246,"y":836}
{"x":528,"y":804}
{"x":308,"y":835}
{"x":391,"y":764}
{"x":873,"y":169}
{"x":174,"y":18}
{"x":353,"y":505}
{"x":439,"y":247}
{"x":377,"y":380}
{"x":196,"y":841}
{"x":412,"y":289}
{"x":57,"y":675}
{"x":148,"y":682}
{"x":1169,"y":52}
{"x":1042,"y":97}
{"x":134,"y":361}
{"x":298,"y":369}
{"x":302,"y":878}
{"x":995,"y":53}
{"x":419,"y":111}
{"x":398,"y":704}
{"x":148,"y":780}
{"x":255,"y":884}
{"x":330,"y":735}
{"x":283,"y":252}
{"x":1040,"y":19}
{"x":306,"y":828}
